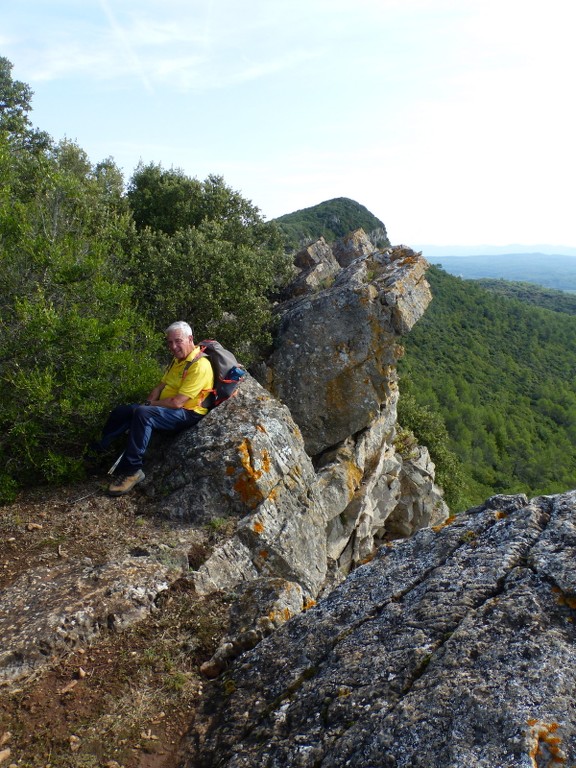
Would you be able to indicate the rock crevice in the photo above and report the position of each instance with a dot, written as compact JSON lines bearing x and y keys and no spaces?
{"x":446,"y":650}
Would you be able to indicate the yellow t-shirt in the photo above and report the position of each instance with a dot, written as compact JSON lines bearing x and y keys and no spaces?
{"x":196,"y":381}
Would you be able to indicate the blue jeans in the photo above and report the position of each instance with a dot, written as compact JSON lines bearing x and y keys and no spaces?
{"x":139,"y":421}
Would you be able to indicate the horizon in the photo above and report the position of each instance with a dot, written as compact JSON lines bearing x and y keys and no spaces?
{"x":434,"y":115}
{"x":513,"y":249}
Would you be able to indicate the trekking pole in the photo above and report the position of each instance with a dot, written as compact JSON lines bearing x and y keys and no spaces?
{"x":113,"y":467}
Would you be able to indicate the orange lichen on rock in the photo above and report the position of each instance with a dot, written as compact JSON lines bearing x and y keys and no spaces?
{"x":562,"y":599}
{"x":545,"y":745}
{"x":258,"y":527}
{"x":247,"y":484}
{"x":354,"y":476}
{"x":446,"y":522}
{"x":266,"y":463}
{"x":279,"y":617}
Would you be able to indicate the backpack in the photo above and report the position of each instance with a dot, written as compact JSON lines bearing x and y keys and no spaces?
{"x":228,"y":373}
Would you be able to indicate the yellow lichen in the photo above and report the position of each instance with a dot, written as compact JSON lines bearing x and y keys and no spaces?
{"x":247,"y":483}
{"x":544,"y":745}
{"x":446,"y":522}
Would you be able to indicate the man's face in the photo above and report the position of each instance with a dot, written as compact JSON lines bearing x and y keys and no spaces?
{"x":179,"y":344}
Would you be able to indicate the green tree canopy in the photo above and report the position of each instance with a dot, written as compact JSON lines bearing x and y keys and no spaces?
{"x":202,"y":253}
{"x":15,"y":105}
{"x":500,"y":373}
{"x":72,"y":342}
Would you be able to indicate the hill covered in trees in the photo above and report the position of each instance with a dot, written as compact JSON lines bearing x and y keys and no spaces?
{"x":530,"y":293}
{"x":500,"y":372}
{"x":331,"y":219}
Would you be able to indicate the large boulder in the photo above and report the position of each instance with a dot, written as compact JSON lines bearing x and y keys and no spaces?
{"x":246,"y":461}
{"x":453,"y":648}
{"x":335,"y":354}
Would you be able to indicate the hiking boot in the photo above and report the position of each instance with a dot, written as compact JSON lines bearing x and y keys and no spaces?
{"x":124,"y":483}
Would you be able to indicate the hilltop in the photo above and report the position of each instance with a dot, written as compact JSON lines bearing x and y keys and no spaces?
{"x":331,"y":219}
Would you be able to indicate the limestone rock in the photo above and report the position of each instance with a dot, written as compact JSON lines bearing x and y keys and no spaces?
{"x":334,"y":360}
{"x":355,"y":245}
{"x":420,"y":503}
{"x":260,"y":607}
{"x":51,"y":610}
{"x":246,"y":460}
{"x":453,"y":648}
{"x":317,"y":267}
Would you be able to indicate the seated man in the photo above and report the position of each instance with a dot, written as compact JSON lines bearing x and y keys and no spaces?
{"x":173,"y":405}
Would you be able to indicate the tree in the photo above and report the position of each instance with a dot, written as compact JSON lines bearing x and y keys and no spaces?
{"x":15,"y":104}
{"x":203,"y":253}
{"x":72,"y":343}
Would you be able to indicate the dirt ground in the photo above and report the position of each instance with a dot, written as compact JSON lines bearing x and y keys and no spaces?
{"x":128,"y":698}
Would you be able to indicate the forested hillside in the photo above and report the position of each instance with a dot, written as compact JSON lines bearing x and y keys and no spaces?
{"x":501,"y":373}
{"x":330,"y":220}
{"x":530,"y":293}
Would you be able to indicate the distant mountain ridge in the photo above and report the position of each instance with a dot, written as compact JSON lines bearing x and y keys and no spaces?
{"x":555,"y":271}
{"x":432,"y":251}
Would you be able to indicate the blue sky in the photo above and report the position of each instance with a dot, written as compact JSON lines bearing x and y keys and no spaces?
{"x":453,"y":121}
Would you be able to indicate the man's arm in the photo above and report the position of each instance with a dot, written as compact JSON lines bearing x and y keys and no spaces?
{"x":168,"y":402}
{"x":155,"y":394}
{"x":175,"y":402}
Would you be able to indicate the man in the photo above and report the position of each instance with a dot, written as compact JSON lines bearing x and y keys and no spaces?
{"x":173,"y":405}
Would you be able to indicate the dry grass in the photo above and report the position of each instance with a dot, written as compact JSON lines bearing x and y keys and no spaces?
{"x":127,"y":699}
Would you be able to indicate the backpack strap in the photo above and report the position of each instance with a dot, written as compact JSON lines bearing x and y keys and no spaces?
{"x":190,"y":363}
{"x":206,"y":397}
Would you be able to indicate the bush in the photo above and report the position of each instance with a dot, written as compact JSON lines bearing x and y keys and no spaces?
{"x":72,"y":343}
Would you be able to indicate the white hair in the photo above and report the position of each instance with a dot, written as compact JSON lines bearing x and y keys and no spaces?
{"x":180,"y":325}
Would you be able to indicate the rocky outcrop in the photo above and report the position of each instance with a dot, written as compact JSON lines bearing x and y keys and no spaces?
{"x":335,"y":354}
{"x":333,"y":372}
{"x":453,"y":648}
{"x":301,"y":469}
{"x":246,"y":460}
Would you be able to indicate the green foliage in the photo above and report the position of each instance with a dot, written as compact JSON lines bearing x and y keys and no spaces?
{"x":15,"y":104}
{"x":204,"y":254}
{"x":15,"y":98}
{"x":429,"y":429}
{"x":330,"y":220}
{"x":501,"y":375}
{"x":529,"y":293}
{"x":72,"y":343}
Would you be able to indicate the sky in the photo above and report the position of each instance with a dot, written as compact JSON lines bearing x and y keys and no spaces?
{"x":452,"y":121}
